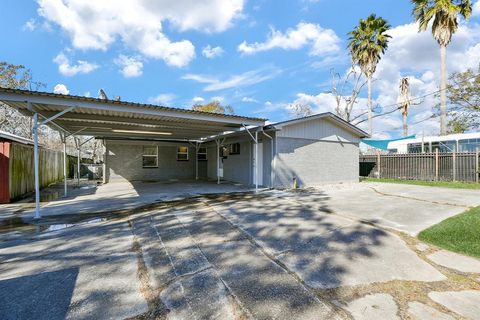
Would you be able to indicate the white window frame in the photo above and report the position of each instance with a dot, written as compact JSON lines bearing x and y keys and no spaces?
{"x":187,"y":153}
{"x":202,"y":153}
{"x":150,"y":156}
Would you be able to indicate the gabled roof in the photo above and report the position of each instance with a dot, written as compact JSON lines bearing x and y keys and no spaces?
{"x":104,"y":118}
{"x":13,"y":137}
{"x":326,"y":115}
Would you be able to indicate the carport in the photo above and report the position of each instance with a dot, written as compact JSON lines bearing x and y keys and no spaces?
{"x":74,"y":116}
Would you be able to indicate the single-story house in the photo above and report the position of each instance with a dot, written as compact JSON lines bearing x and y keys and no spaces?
{"x":315,"y":150}
{"x":150,"y":142}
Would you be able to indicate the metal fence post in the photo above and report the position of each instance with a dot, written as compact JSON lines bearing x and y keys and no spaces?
{"x":454,"y":166}
{"x":436,"y":164}
{"x":378,"y":165}
{"x":477,"y":171}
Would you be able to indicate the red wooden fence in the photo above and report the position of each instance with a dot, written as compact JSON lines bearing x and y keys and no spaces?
{"x":4,"y":172}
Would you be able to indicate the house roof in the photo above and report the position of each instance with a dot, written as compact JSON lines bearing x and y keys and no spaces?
{"x":105,"y":118}
{"x":13,"y":137}
{"x":326,"y":115}
{"x":278,"y":126}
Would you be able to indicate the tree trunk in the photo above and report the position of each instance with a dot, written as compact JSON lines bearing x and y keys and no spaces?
{"x":443,"y":90}
{"x":370,"y":111}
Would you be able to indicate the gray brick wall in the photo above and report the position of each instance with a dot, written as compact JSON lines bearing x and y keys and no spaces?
{"x":124,"y":162}
{"x":315,"y":162}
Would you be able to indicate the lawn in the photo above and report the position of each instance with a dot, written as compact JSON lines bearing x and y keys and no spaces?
{"x":459,"y":233}
{"x":444,"y":184}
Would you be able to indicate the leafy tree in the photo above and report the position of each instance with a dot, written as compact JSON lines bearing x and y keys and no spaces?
{"x":368,"y":41}
{"x":444,"y":14}
{"x":214,"y":106}
{"x":464,"y":96}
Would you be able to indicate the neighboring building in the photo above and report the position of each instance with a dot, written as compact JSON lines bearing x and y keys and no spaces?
{"x":464,"y":142}
{"x":315,"y":150}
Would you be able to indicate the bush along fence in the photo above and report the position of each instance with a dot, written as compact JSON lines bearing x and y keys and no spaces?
{"x":422,"y":166}
{"x":16,"y":169}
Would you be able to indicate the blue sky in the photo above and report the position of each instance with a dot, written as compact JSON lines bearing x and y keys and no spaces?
{"x":258,"y":56}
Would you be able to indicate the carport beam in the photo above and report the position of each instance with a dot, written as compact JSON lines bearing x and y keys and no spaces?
{"x":36,"y":166}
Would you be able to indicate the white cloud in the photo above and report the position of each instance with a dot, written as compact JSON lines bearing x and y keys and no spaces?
{"x":131,"y":66}
{"x":218,"y":98}
{"x":212,"y":52}
{"x":30,"y":25}
{"x":68,"y":69}
{"x":321,"y":41}
{"x":249,"y":100}
{"x":139,"y":24}
{"x":198,"y":100}
{"x":162,"y":99}
{"x":476,"y":9}
{"x":240,"y":80}
{"x":61,"y":89}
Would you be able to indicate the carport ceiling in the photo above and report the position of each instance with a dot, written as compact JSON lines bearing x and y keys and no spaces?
{"x":123,"y":120}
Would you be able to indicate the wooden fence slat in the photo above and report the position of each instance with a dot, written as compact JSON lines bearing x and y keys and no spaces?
{"x":434,"y":166}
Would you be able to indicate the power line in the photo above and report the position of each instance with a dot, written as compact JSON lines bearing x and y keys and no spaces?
{"x":410,"y":100}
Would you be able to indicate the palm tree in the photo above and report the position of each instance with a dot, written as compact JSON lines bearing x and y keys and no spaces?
{"x":368,"y":41}
{"x":444,"y":14}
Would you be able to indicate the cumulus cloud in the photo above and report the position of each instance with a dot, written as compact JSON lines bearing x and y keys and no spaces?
{"x":321,"y":41}
{"x":198,"y":99}
{"x":212,"y":52}
{"x":61,"y":89}
{"x":130,"y":66}
{"x":68,"y":69}
{"x":245,"y":79}
{"x":162,"y":99}
{"x":139,"y":24}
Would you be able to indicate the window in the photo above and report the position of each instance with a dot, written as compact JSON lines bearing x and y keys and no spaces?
{"x":235,"y":148}
{"x":182,"y":153}
{"x":150,"y":157}
{"x":202,"y":154}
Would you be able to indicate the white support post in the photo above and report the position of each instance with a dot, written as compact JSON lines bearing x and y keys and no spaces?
{"x":77,"y":142}
{"x":218,"y":160}
{"x":105,"y":165}
{"x":256,"y":161}
{"x":64,"y":140}
{"x":197,"y":147}
{"x":36,"y":166}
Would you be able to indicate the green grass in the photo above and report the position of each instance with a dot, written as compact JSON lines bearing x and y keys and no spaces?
{"x":444,"y":184}
{"x":459,"y":233}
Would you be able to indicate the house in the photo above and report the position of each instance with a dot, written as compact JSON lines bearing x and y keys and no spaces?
{"x":149,"y":142}
{"x":315,"y":150}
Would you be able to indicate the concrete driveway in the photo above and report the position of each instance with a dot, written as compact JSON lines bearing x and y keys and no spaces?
{"x":274,"y":255}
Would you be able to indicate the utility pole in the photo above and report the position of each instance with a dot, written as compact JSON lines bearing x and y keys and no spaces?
{"x":404,"y":102}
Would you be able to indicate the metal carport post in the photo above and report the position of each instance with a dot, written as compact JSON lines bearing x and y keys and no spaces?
{"x":255,"y":140}
{"x":36,"y":125}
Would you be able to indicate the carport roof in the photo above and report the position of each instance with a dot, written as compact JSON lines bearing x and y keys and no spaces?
{"x":113,"y":119}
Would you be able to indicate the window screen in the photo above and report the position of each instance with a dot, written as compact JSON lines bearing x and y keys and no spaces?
{"x":182,"y":153}
{"x":150,"y":157}
{"x":235,"y":148}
